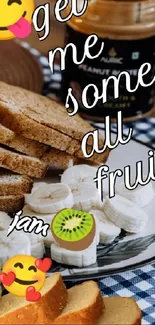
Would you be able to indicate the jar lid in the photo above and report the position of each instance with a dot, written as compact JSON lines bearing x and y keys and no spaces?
{"x":128,"y":17}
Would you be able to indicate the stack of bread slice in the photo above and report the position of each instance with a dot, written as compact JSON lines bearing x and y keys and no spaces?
{"x":36,"y":133}
{"x":19,"y":163}
{"x":36,"y":117}
{"x":12,"y":190}
{"x":82,"y":304}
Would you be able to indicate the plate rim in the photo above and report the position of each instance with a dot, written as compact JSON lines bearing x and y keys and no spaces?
{"x":103,"y":274}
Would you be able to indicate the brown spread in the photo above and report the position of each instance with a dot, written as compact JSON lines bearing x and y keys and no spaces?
{"x":128,"y":31}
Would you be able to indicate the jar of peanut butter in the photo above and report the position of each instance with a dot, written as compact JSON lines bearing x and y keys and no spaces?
{"x":127,"y":29}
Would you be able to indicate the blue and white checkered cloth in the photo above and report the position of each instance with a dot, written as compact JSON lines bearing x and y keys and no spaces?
{"x":140,"y":283}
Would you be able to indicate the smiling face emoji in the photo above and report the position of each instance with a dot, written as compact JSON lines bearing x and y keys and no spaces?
{"x":26,"y":272}
{"x":15,"y":18}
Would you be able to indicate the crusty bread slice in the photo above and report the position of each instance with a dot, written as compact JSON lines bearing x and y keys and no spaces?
{"x":12,"y":117}
{"x":38,"y":118}
{"x":119,"y":310}
{"x":62,"y":160}
{"x":11,"y":183}
{"x":44,"y":111}
{"x":11,"y":203}
{"x":16,"y":310}
{"x":84,"y":305}
{"x":59,"y":159}
{"x":51,"y":156}
{"x":21,"y":144}
{"x":22,"y":164}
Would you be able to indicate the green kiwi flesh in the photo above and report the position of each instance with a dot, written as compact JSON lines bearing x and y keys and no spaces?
{"x":73,"y":229}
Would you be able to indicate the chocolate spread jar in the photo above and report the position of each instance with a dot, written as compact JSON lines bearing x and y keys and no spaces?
{"x":127,"y":29}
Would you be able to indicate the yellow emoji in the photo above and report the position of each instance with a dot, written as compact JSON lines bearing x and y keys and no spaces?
{"x":15,"y":18}
{"x":24,"y":276}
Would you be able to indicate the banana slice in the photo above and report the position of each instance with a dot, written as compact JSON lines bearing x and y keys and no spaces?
{"x":49,"y":198}
{"x":79,"y":174}
{"x":16,"y":243}
{"x":38,"y":249}
{"x":141,"y":196}
{"x":80,"y":259}
{"x":5,"y":221}
{"x":36,"y":242}
{"x":125,"y":214}
{"x":86,"y":197}
{"x":47,"y":218}
{"x":49,"y":239}
{"x":80,"y":180}
{"x":107,"y":230}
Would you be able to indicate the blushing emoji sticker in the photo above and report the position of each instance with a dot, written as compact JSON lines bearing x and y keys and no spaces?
{"x":24,"y":276}
{"x":15,"y":18}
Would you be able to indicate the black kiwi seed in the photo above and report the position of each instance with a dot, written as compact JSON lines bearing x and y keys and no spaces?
{"x":81,"y":226}
{"x":77,"y":215}
{"x":70,"y":217}
{"x":78,"y":227}
{"x":82,"y":223}
{"x":66,"y":218}
{"x":64,"y":230}
{"x":74,"y":229}
{"x":63,"y":224}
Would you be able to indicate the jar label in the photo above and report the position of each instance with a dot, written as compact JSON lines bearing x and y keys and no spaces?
{"x":117,"y":56}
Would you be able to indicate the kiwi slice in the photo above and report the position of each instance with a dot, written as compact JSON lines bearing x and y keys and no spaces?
{"x":73,"y":229}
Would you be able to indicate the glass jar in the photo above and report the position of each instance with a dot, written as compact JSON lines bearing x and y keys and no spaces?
{"x":127,"y":29}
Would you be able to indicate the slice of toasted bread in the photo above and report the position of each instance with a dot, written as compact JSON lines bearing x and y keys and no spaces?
{"x":59,"y":159}
{"x":11,"y":183}
{"x":21,"y":144}
{"x":51,"y":156}
{"x":62,"y":160}
{"x":38,"y":118}
{"x":12,"y":116}
{"x":22,"y":164}
{"x":16,"y":310}
{"x":35,"y":149}
{"x":84,"y":305}
{"x":119,"y":310}
{"x":45,"y":111}
{"x":11,"y":203}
